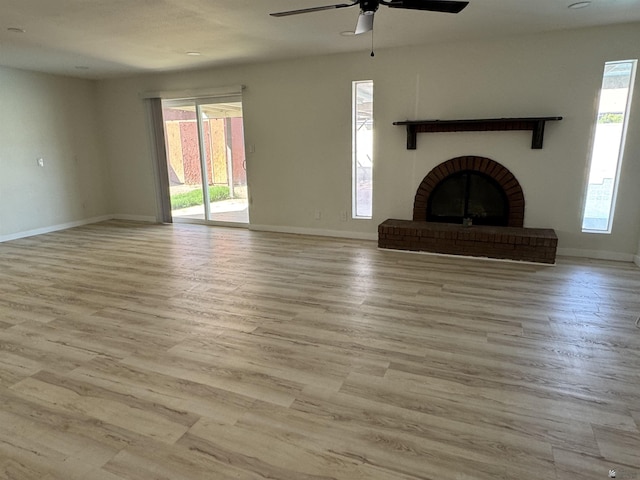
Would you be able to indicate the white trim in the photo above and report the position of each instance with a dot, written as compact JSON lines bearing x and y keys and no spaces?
{"x":621,"y":146}
{"x":354,"y":148}
{"x":134,"y":218}
{"x":566,"y":252}
{"x":211,"y":223}
{"x":194,"y":92}
{"x":54,"y":228}
{"x":596,"y":254}
{"x":315,"y":232}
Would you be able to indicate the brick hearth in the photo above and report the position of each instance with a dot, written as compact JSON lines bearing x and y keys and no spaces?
{"x":513,"y":243}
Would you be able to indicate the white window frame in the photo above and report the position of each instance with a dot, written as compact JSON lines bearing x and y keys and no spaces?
{"x":625,"y":124}
{"x":354,"y":152}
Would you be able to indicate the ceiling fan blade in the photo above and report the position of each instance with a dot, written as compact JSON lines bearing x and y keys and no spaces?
{"x":446,"y":6}
{"x":365,"y":23}
{"x":313,"y":9}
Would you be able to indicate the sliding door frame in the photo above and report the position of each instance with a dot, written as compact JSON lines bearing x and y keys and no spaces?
{"x":160,"y":153}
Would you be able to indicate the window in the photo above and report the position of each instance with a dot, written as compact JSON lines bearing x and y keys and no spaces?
{"x":362,"y":151}
{"x":608,"y":145}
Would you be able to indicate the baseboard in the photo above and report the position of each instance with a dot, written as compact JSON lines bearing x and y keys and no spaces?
{"x":568,"y":252}
{"x":597,"y":254}
{"x":315,"y":232}
{"x":134,"y":218}
{"x":54,"y":228}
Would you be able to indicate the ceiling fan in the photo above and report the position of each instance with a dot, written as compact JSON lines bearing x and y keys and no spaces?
{"x":368,"y":9}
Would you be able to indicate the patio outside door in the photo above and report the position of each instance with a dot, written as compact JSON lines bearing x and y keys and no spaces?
{"x":206,"y":160}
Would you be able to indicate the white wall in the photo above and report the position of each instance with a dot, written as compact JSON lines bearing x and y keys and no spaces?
{"x":53,"y":118}
{"x":297,"y":114}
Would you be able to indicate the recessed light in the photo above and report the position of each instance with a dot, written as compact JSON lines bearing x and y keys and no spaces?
{"x":194,"y":54}
{"x":16,"y":30}
{"x":348,"y":33}
{"x":579,"y":5}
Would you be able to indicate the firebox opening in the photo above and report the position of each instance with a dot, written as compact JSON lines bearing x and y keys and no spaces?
{"x":468,"y":194}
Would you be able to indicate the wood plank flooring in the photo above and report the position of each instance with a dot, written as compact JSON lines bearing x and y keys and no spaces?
{"x":133,"y":352}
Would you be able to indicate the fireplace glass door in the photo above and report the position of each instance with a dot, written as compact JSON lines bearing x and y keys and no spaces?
{"x":468,"y":194}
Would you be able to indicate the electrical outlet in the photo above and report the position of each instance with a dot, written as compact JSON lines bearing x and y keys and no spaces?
{"x":343,"y":215}
{"x":41,"y":162}
{"x":318,"y":215}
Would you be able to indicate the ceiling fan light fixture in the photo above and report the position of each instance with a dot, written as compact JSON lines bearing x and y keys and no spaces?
{"x":365,"y":23}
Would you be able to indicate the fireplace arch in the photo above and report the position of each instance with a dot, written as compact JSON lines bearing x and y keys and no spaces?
{"x":465,"y":170}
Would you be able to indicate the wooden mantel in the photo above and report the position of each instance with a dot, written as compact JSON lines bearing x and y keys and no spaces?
{"x":535,"y":124}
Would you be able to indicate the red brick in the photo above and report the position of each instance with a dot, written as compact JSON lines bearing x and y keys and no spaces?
{"x":538,"y":245}
{"x":494,"y":167}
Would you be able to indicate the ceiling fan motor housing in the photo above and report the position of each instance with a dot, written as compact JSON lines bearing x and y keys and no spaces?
{"x":369,"y":7}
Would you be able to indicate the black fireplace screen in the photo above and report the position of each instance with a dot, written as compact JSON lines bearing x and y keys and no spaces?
{"x":468,"y":194}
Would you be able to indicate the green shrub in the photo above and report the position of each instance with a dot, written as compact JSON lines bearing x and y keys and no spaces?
{"x":194,"y":197}
{"x":610,"y":118}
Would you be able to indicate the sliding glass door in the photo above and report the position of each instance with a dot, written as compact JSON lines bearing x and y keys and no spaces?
{"x":206,"y":159}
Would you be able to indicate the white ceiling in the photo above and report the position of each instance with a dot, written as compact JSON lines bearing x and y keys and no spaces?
{"x":108,"y":38}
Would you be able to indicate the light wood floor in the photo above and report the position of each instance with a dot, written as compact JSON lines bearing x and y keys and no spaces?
{"x":136,"y":352}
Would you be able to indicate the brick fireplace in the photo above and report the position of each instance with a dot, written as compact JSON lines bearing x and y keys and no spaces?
{"x":470,"y":206}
